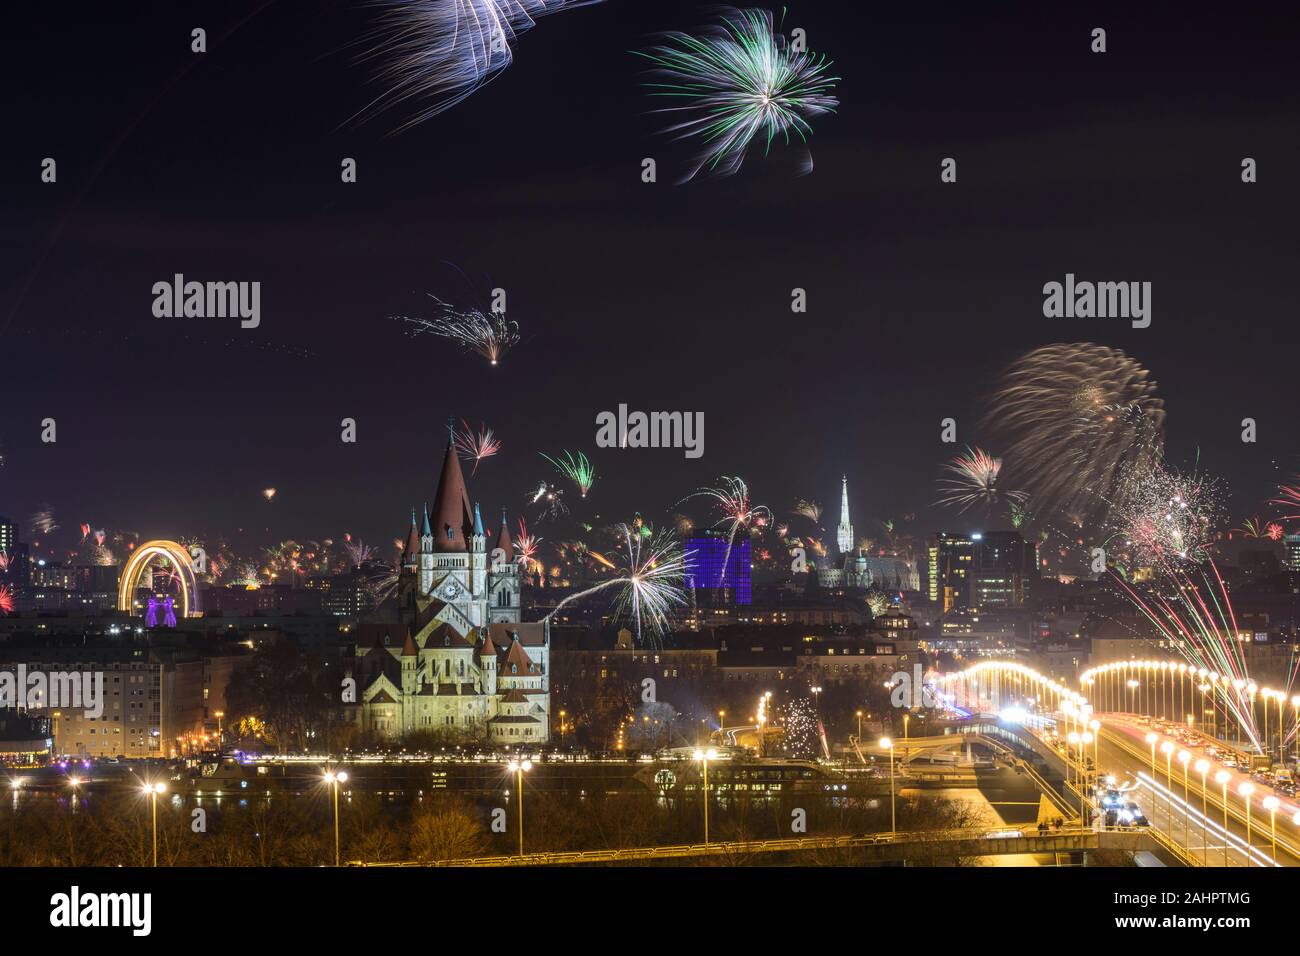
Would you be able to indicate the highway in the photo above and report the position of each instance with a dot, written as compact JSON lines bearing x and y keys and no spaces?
{"x":1124,"y":753}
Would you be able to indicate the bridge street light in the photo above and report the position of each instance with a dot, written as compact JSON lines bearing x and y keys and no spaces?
{"x":1246,"y":789}
{"x":1203,"y":767}
{"x":1222,"y":778}
{"x":1271,"y":804}
{"x":1185,"y":758}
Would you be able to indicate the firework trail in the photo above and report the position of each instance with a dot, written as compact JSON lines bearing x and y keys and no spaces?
{"x":577,"y":470}
{"x":490,"y":334}
{"x":737,"y":82}
{"x":437,"y":53}
{"x":1288,"y":496}
{"x":550,"y":499}
{"x":1017,"y":513}
{"x":649,"y":582}
{"x":42,"y":520}
{"x":1073,"y":420}
{"x":380,"y":582}
{"x":475,"y":447}
{"x":85,"y":532}
{"x":976,"y":481}
{"x":5,"y":558}
{"x":6,"y":599}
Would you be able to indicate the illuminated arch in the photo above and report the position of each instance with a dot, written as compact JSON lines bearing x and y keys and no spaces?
{"x":179,"y":558}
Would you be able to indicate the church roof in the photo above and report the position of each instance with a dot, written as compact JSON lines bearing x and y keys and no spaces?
{"x":503,"y":538}
{"x":412,"y":542}
{"x":530,"y":634}
{"x":488,"y":649}
{"x":408,"y":647}
{"x":514,"y":697}
{"x":383,"y":697}
{"x":519,"y":657}
{"x":453,"y":519}
{"x":439,"y":634}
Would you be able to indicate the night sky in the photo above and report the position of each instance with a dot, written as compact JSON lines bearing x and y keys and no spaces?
{"x":225,"y":166}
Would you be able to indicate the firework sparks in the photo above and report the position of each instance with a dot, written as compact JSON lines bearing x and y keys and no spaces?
{"x":649,"y":582}
{"x":490,"y":334}
{"x":549,"y":499}
{"x":1166,"y":516}
{"x":358,"y":552}
{"x":6,"y":599}
{"x":577,"y":470}
{"x":1288,"y":496}
{"x":735,"y":83}
{"x":475,"y":446}
{"x":1074,"y":420}
{"x":436,"y":53}
{"x":811,"y":510}
{"x":734,"y":508}
{"x":526,"y":548}
{"x":268,"y":494}
{"x":975,"y":482}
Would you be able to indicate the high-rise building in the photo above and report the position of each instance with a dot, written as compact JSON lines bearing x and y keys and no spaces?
{"x":1004,"y":568}
{"x":952,"y":558}
{"x":1292,"y":542}
{"x":718,"y":570}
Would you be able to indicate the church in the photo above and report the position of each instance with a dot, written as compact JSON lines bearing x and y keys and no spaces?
{"x":453,"y":657}
{"x":853,"y":571}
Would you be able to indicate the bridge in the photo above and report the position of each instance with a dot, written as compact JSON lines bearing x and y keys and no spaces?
{"x":868,"y":849}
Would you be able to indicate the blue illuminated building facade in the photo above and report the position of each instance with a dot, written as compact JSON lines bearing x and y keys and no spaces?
{"x":715,"y":576}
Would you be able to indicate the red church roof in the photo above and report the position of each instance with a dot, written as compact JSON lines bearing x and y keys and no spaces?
{"x":451,"y":515}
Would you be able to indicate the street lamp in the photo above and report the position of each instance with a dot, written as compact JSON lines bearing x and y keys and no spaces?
{"x":1222,"y":778}
{"x":1271,"y":804}
{"x":1203,"y":767}
{"x":1185,"y":758}
{"x":703,"y":756}
{"x":153,"y":790}
{"x":519,"y":768}
{"x":334,"y":779}
{"x":1246,"y":789}
{"x":888,"y":744}
{"x":859,"y":725}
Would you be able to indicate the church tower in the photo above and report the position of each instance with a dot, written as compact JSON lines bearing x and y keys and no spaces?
{"x":844,"y":535}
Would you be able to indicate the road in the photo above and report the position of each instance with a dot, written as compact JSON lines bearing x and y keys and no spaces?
{"x":1124,"y":752}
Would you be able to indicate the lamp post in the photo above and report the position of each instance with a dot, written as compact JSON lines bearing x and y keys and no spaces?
{"x":889,"y":745}
{"x":334,"y":779}
{"x":153,"y":790}
{"x":859,"y":725}
{"x":519,"y":768}
{"x":1271,"y":804}
{"x":1222,"y":778}
{"x":1246,"y":789}
{"x":221,"y":734}
{"x":1084,"y":739}
{"x":704,"y":756}
{"x":1185,"y":758}
{"x":1203,"y":767}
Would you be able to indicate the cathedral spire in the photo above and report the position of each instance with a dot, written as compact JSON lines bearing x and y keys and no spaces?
{"x":452,"y":516}
{"x":844,"y":535}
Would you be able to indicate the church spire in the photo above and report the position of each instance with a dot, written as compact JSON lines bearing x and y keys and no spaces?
{"x":844,"y":535}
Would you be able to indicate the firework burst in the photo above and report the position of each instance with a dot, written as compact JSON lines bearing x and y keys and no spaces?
{"x":475,"y":446}
{"x":436,"y":53}
{"x":649,"y":581}
{"x":578,"y":470}
{"x":6,"y":599}
{"x":526,"y":548}
{"x":811,"y":510}
{"x":490,"y":334}
{"x":1076,"y":421}
{"x":975,"y":481}
{"x":735,"y":83}
{"x":735,"y":510}
{"x":549,"y":500}
{"x":358,"y":552}
{"x":1166,"y":517}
